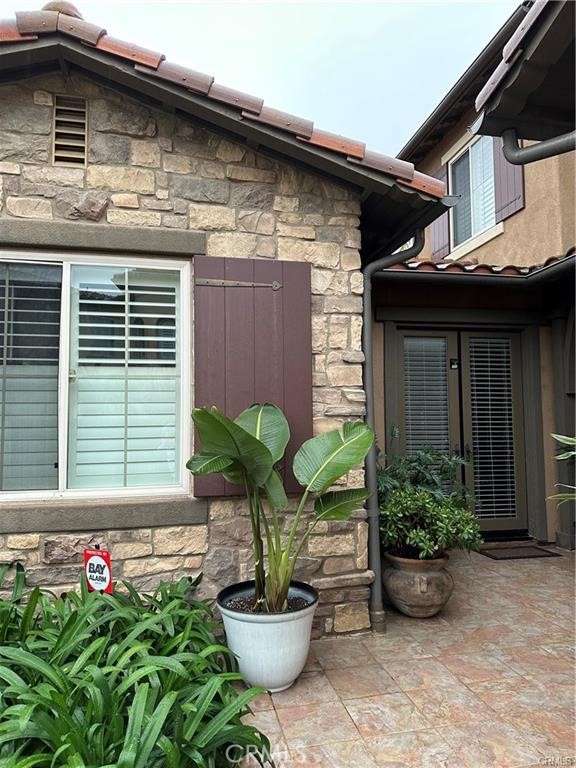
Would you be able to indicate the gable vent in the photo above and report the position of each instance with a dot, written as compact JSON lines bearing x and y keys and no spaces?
{"x":69,"y":131}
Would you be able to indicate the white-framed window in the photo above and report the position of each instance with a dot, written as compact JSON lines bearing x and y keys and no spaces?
{"x":471,"y":175}
{"x":94,"y":376}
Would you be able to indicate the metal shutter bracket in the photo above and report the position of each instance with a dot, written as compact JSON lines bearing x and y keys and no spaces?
{"x":237,"y":284}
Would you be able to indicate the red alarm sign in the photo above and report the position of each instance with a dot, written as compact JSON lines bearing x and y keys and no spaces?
{"x":98,"y":569}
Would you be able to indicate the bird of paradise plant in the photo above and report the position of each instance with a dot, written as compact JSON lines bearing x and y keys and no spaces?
{"x":246,"y":450}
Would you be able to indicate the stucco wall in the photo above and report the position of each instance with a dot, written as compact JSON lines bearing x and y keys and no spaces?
{"x":149,"y":169}
{"x":545,"y":227}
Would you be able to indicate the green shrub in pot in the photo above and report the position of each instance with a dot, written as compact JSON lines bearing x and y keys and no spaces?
{"x":414,"y":523}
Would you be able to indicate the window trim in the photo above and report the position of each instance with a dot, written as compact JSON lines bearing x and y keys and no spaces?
{"x":457,"y":151}
{"x":66,"y":260}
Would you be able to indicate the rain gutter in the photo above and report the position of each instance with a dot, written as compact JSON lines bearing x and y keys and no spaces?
{"x":377,"y":617}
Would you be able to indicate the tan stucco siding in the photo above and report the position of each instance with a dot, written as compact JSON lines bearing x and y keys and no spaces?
{"x":545,"y":227}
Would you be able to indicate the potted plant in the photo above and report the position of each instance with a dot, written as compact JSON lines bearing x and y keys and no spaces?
{"x":424,"y":512}
{"x":268,"y":619}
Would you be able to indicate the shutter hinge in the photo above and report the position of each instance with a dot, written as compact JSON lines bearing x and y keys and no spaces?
{"x":237,"y":283}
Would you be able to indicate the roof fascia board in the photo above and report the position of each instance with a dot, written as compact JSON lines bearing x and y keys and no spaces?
{"x":492,"y":51}
{"x":24,"y":55}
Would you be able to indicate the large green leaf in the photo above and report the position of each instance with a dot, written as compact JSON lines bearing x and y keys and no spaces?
{"x":339,"y":505}
{"x":268,"y":424}
{"x":222,"y":437}
{"x":327,"y":457}
{"x":206,"y":463}
{"x":275,"y":492}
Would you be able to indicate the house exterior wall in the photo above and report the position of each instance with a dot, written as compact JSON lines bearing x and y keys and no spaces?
{"x":546,"y":225}
{"x":544,"y":228}
{"x":150,"y":170}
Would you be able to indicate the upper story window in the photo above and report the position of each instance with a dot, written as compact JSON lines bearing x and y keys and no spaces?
{"x":490,"y":188}
{"x":93,"y":370}
{"x":471,"y":175}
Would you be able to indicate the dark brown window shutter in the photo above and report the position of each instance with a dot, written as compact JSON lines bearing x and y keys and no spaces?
{"x":440,"y":229}
{"x":253,"y":344}
{"x":508,"y":184}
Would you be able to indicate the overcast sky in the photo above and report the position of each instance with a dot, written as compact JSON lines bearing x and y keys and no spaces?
{"x":368,"y":70}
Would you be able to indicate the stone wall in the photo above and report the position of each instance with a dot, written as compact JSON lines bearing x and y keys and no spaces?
{"x":150,"y":169}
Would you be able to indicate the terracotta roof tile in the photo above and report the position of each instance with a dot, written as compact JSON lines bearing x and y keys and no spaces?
{"x":390,"y":165}
{"x":60,"y":16}
{"x":37,"y":22}
{"x":282,"y":120}
{"x":427,"y":184}
{"x":174,"y":73}
{"x":349,"y":147}
{"x":510,"y":53}
{"x":9,"y":33}
{"x":473,"y":268}
{"x":83,"y":30}
{"x":129,"y":51}
{"x":62,"y":6}
{"x":235,"y":98}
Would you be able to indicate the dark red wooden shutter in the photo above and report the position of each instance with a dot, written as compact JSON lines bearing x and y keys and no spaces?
{"x":508,"y":184}
{"x":440,"y":229}
{"x":253,"y":344}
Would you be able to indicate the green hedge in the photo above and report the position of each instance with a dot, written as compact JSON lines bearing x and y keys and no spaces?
{"x":117,"y":681}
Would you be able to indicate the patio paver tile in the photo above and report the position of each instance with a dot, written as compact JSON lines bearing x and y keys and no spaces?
{"x":415,"y":749}
{"x":491,"y":744}
{"x":443,"y":705}
{"x":476,"y":667}
{"x":345,"y":754}
{"x":313,"y":725}
{"x":310,"y":688}
{"x":356,"y":682}
{"x":420,"y":673}
{"x":388,"y":713}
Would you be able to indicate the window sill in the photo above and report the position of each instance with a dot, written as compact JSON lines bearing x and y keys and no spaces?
{"x":475,"y":242}
{"x":41,"y":517}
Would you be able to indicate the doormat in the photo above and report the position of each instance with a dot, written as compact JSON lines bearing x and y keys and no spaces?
{"x":517,"y":553}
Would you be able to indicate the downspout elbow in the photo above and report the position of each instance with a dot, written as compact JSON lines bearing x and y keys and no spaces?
{"x":518,"y":155}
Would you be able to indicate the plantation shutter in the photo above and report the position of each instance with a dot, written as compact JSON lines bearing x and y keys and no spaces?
{"x":492,"y":426}
{"x":440,"y":229}
{"x":508,"y":184}
{"x":29,"y":349}
{"x":124,"y":413}
{"x":253,"y":344}
{"x":426,"y":409}
{"x":482,"y":183}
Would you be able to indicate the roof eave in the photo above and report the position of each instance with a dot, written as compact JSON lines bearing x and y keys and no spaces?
{"x":562,"y":268}
{"x":19,"y":59}
{"x":519,"y":92}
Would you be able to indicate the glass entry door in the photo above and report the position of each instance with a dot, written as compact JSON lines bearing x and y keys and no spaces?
{"x":461,"y":392}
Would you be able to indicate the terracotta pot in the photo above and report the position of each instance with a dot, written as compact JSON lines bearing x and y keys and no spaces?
{"x":418,"y":588}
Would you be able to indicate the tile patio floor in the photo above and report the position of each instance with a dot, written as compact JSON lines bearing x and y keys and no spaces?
{"x":489,"y":683}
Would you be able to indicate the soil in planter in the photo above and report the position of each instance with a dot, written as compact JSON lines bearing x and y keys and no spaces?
{"x":247,"y":604}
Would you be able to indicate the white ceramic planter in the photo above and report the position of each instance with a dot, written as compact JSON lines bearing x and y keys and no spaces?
{"x":271,"y":648}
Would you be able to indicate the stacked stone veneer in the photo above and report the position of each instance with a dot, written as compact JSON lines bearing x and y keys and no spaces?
{"x":147,"y":168}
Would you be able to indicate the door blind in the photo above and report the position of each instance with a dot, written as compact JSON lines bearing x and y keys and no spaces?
{"x":29,"y":347}
{"x":492,"y":427}
{"x":124,"y":378}
{"x":426,"y":393}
